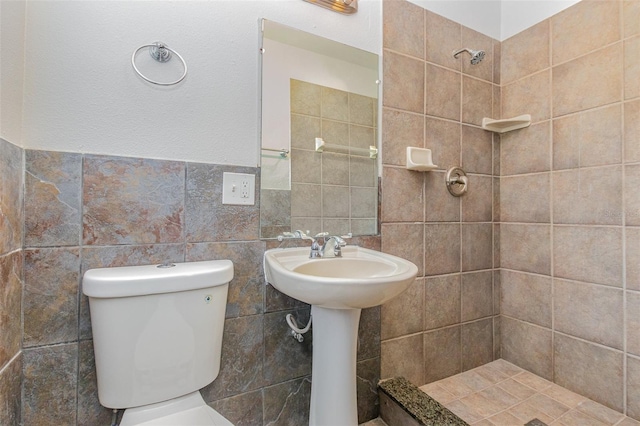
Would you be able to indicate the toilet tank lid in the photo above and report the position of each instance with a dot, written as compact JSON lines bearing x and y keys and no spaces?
{"x":126,"y":281}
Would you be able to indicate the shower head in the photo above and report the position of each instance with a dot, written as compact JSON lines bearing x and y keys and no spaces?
{"x":476,"y":55}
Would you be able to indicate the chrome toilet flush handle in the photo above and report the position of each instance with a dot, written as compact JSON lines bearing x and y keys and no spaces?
{"x":457,"y":181}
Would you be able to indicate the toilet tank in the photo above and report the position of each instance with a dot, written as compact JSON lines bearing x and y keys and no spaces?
{"x":157,"y":329}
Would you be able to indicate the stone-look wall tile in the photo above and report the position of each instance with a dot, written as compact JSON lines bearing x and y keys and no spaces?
{"x":404,"y":82}
{"x":477,"y":99}
{"x":90,"y":411}
{"x":589,"y":254}
{"x":287,"y":403}
{"x":443,"y":92}
{"x":335,"y":169}
{"x":588,"y":196}
{"x":403,"y":314}
{"x":497,"y":291}
{"x":132,"y":201}
{"x":477,"y":295}
{"x":363,"y":171}
{"x":207,"y":219}
{"x":525,"y":198}
{"x":306,"y":201}
{"x":399,"y":130}
{"x":633,"y":323}
{"x":443,"y":138}
{"x":305,"y":97}
{"x":477,"y":147}
{"x":592,"y":312}
{"x":241,"y":365}
{"x":495,"y":196}
{"x":335,"y":132}
{"x":525,"y":53}
{"x":497,"y":337}
{"x":246,"y":289}
{"x":590,"y":370}
{"x":632,"y":131}
{"x":526,"y":150}
{"x":50,"y":307}
{"x":631,"y":68}
{"x":302,"y":161}
{"x":284,"y":357}
{"x":362,"y":110}
{"x":527,"y":346}
{"x":526,"y":248}
{"x":529,"y":94}
{"x":363,"y":202}
{"x":497,"y":74}
{"x":631,"y":196}
{"x":479,"y":41}
{"x":369,"y":333}
{"x":591,"y":138}
{"x":442,"y":301}
{"x":443,"y":37}
{"x":477,"y":203}
{"x":107,"y":257}
{"x":241,"y":410}
{"x":442,"y":354}
{"x":403,"y":357}
{"x":11,"y":267}
{"x":441,"y":248}
{"x":573,"y":79}
{"x":633,"y":387}
{"x":403,"y":198}
{"x":303,"y":130}
{"x":477,"y":245}
{"x":49,"y":390}
{"x":477,"y":343}
{"x":10,"y":393}
{"x":632,"y":259}
{"x":52,"y":198}
{"x":403,"y":28}
{"x":367,"y":378}
{"x":405,"y":240}
{"x":584,"y":28}
{"x":631,"y":17}
{"x":275,"y":301}
{"x":11,"y":196}
{"x":334,"y":104}
{"x":440,"y":206}
{"x":526,"y":297}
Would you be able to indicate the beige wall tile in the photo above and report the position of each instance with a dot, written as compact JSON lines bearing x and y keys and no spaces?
{"x":364,"y":202}
{"x":441,"y":301}
{"x":632,"y":131}
{"x":403,"y":27}
{"x":527,"y":346}
{"x":588,"y":196}
{"x":477,"y":295}
{"x":592,"y":138}
{"x":304,"y":162}
{"x":477,"y":148}
{"x":363,"y":171}
{"x":477,"y":98}
{"x":333,"y":132}
{"x":632,"y":68}
{"x":442,"y":353}
{"x":592,"y":312}
{"x":441,"y":248}
{"x":586,"y":26}
{"x":633,"y":323}
{"x":440,"y":206}
{"x":335,"y":169}
{"x":631,"y":194}
{"x":335,"y":201}
{"x":526,"y":150}
{"x":304,"y":130}
{"x":305,"y":200}
{"x":403,"y":357}
{"x":496,"y":199}
{"x":631,"y":17}
{"x":362,"y":110}
{"x":404,"y":82}
{"x":633,"y":387}
{"x":305,"y":98}
{"x":525,"y":53}
{"x":477,"y":244}
{"x":443,"y":138}
{"x":443,"y":38}
{"x":525,"y":198}
{"x":573,"y":82}
{"x":526,"y":297}
{"x":403,"y":314}
{"x":400,"y":130}
{"x":477,"y":343}
{"x":361,"y":136}
{"x":442,"y":92}
{"x":405,"y":240}
{"x":529,"y":95}
{"x":497,"y":72}
{"x":590,"y":370}
{"x":477,"y":41}
{"x":632,"y":236}
{"x":526,"y":248}
{"x":335,"y":104}
{"x":477,"y":202}
{"x":402,"y":199}
{"x":589,"y":254}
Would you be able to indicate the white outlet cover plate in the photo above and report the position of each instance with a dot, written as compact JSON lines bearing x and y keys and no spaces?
{"x":238,"y":188}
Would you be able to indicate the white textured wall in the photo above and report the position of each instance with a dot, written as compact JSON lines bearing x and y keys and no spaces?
{"x":12,"y":19}
{"x":81,"y":93}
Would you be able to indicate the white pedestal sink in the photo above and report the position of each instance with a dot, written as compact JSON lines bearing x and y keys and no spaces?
{"x":338,"y":288}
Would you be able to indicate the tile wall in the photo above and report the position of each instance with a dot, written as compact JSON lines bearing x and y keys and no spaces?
{"x":569,"y":202}
{"x":85,"y":211}
{"x":447,"y":322}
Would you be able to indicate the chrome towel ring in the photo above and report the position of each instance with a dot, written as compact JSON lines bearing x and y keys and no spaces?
{"x":161,"y":53}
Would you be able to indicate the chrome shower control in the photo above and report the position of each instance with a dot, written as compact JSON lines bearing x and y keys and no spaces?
{"x":457,"y":181}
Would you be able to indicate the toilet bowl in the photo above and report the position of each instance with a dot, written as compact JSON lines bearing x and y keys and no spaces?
{"x":157,"y":337}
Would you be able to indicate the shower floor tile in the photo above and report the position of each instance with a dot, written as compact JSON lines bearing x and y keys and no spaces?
{"x":502,"y":394}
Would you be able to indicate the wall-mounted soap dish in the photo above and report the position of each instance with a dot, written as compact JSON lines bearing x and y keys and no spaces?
{"x":507,"y":124}
{"x":419,"y":159}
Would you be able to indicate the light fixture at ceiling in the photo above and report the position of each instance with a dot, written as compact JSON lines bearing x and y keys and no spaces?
{"x":341,"y":6}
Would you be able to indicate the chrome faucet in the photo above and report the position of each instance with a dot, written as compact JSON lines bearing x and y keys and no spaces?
{"x":338,"y":243}
{"x":318,"y":251}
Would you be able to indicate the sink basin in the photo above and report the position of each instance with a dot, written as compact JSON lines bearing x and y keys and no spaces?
{"x":361,"y":278}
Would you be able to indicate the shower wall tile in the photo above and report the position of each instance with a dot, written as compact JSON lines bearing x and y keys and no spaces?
{"x":403,"y":314}
{"x":442,"y":301}
{"x":526,"y":150}
{"x":477,"y":203}
{"x":527,"y":346}
{"x":405,"y":240}
{"x":497,"y":75}
{"x":305,"y":98}
{"x":573,"y":79}
{"x":10,"y":390}
{"x":363,"y":172}
{"x":440,"y":205}
{"x":334,"y":104}
{"x":399,"y":130}
{"x":442,"y":353}
{"x":633,"y":322}
{"x":441,"y":248}
{"x":334,"y":132}
{"x":403,"y":198}
{"x":369,"y":334}
{"x":529,"y":95}
{"x":403,"y":357}
{"x":526,"y":297}
{"x":362,"y":110}
{"x":632,"y":131}
{"x":477,"y":343}
{"x":525,"y":198}
{"x":304,"y":129}
{"x":132,"y":200}
{"x":11,"y":266}
{"x":476,"y":295}
{"x":367,"y":378}
{"x":591,"y":370}
{"x":477,"y":149}
{"x":631,"y":17}
{"x":335,"y":201}
{"x":477,"y":244}
{"x":404,"y":82}
{"x":52,"y":196}
{"x":443,"y":138}
{"x":631,"y":68}
{"x":443,"y":37}
{"x":633,"y":387}
{"x":287,"y":403}
{"x":442,"y":92}
{"x":632,"y":259}
{"x":11,"y":197}
{"x":241,"y":410}
{"x":526,"y":248}
{"x":586,"y":27}
{"x":304,"y":161}
{"x":479,"y":41}
{"x":631,"y":196}
{"x":90,"y":411}
{"x":525,"y":53}
{"x":477,"y":98}
{"x":403,"y":29}
{"x":305,"y":200}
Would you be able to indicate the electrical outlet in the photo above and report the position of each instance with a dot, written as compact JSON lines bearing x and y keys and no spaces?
{"x":238,"y":188}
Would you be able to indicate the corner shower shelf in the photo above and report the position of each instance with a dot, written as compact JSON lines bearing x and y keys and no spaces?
{"x":507,"y":124}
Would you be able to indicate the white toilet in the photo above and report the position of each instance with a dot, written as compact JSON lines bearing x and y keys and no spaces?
{"x":157,"y":338}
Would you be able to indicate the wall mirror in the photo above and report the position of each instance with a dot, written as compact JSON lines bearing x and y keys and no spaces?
{"x":319,"y":135}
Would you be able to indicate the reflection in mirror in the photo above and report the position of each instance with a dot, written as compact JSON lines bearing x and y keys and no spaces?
{"x":314,"y":88}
